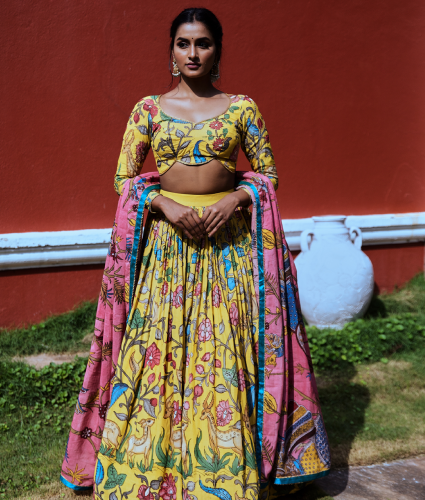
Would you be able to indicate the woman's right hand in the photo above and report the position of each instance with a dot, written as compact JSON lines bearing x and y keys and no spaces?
{"x":186,"y":218}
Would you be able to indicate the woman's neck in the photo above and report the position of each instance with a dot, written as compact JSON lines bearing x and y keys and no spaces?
{"x":199,"y":87}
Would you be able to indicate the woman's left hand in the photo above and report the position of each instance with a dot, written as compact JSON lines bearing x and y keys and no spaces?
{"x":218,"y":214}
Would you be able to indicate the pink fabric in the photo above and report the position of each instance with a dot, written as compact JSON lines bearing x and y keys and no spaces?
{"x":289,"y":382}
{"x":112,"y":310}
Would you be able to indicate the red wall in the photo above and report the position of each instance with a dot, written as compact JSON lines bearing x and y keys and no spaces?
{"x":341,"y":85}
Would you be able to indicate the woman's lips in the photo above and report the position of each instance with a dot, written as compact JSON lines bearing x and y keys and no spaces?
{"x":193,"y":66}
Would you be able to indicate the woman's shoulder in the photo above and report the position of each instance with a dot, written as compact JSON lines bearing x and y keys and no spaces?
{"x":242,"y":99}
{"x":148,"y":99}
{"x":149,"y":103}
{"x":243,"y":102}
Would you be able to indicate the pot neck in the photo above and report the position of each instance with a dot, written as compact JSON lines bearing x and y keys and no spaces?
{"x":331,"y":227}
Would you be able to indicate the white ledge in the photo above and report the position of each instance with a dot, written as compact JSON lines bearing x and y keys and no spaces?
{"x":52,"y":249}
{"x":383,"y":229}
{"x":90,"y":246}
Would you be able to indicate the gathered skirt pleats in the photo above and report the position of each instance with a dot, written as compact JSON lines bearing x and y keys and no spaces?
{"x":181,"y":422}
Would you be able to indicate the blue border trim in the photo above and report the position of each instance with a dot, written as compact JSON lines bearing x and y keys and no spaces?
{"x":301,"y":479}
{"x":73,"y":486}
{"x":261,"y":325}
{"x":137,"y":234}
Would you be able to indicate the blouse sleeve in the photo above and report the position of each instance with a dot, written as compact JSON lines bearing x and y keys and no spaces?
{"x":255,"y":142}
{"x":135,"y":146}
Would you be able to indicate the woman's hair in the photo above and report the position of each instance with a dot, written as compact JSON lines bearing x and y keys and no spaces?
{"x":203,"y":16}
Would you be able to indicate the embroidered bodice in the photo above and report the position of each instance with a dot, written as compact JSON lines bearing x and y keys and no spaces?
{"x":177,"y":140}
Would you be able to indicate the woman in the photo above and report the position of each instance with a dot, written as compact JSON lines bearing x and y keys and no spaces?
{"x":198,"y":406}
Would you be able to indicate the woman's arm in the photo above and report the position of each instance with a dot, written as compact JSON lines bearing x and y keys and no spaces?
{"x":135,"y":146}
{"x":255,"y":142}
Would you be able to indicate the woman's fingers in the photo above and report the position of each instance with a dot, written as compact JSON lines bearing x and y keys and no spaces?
{"x":187,"y":228}
{"x":215,"y":225}
{"x":197,"y":224}
{"x":209,"y":217}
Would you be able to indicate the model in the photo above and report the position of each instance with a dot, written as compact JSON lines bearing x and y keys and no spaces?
{"x":199,"y":383}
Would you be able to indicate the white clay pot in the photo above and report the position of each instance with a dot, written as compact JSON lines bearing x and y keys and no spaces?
{"x":335,"y":277}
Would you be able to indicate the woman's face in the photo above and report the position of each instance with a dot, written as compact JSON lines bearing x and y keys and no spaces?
{"x":194,"y":50}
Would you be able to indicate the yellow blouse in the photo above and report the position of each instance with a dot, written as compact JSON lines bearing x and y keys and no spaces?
{"x":176,"y":140}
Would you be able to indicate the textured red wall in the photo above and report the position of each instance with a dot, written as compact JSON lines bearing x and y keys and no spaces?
{"x":341,"y":85}
{"x":31,"y":295}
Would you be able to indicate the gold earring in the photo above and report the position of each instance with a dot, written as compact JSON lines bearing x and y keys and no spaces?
{"x":175,"y":71}
{"x":215,"y":72}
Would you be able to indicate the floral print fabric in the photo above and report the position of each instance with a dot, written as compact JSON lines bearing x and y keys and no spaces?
{"x":183,"y":398}
{"x":175,"y":140}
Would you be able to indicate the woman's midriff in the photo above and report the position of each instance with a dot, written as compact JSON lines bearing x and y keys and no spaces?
{"x":207,"y":178}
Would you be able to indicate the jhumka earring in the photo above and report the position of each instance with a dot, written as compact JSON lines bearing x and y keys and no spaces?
{"x":215,"y":72}
{"x":175,"y":71}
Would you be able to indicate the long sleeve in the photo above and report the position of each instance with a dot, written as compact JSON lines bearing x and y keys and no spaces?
{"x":135,"y":145}
{"x":255,"y":142}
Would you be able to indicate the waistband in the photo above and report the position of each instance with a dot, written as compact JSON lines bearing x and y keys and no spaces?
{"x":196,"y":200}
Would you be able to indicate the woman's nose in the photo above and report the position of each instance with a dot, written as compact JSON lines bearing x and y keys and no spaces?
{"x":192,"y":50}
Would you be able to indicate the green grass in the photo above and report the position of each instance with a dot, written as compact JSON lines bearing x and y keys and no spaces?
{"x":409,"y":299}
{"x":62,"y":333}
{"x":36,"y":408}
{"x":374,"y":412}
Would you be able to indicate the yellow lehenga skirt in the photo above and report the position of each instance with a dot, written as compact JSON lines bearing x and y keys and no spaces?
{"x":181,"y":423}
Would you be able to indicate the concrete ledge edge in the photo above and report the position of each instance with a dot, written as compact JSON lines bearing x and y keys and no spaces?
{"x":90,"y":246}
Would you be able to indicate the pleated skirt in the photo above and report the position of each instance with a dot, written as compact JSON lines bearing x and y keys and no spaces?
{"x":181,"y":422}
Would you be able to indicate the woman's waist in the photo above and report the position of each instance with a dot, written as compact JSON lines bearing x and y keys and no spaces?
{"x":196,"y":200}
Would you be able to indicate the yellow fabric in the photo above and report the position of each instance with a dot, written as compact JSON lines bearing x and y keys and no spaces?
{"x":176,"y":140}
{"x":189,"y":362}
{"x":196,"y":200}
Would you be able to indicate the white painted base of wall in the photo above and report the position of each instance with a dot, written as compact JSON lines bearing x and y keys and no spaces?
{"x":90,"y":246}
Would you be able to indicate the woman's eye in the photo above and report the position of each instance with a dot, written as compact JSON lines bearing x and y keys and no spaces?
{"x":182,"y":45}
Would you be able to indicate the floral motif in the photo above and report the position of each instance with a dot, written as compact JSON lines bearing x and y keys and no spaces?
{"x":86,"y":433}
{"x":199,"y":369}
{"x":205,"y":330}
{"x":218,"y":144}
{"x":216,"y":296}
{"x":145,"y":493}
{"x":198,"y":391}
{"x":224,"y":413}
{"x":149,"y":105}
{"x":155,"y":127}
{"x":178,"y":297}
{"x":216,"y":125}
{"x":168,"y":489}
{"x":77,"y":475}
{"x":153,"y":356}
{"x":234,"y":314}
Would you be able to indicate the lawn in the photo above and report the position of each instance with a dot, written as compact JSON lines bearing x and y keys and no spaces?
{"x":373,"y":410}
